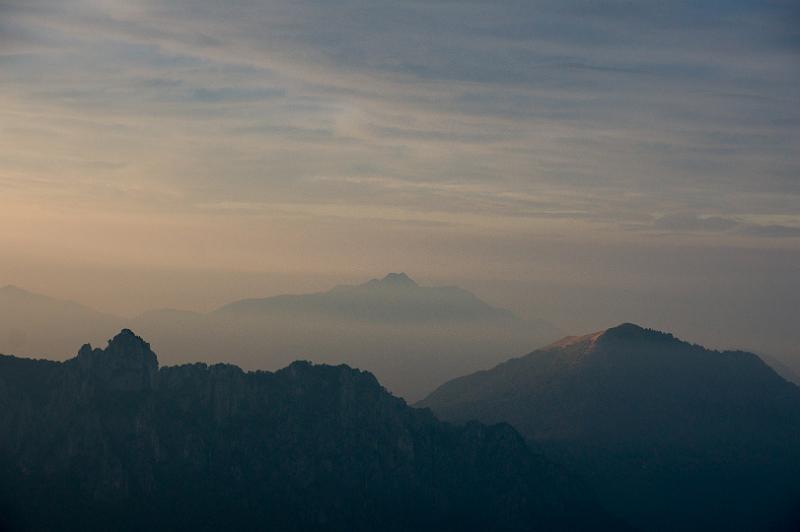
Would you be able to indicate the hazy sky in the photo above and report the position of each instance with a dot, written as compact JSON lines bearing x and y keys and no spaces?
{"x":583,"y":161}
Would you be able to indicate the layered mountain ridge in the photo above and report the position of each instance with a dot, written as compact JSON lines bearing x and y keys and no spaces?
{"x":39,"y":325}
{"x":412,"y":337}
{"x":110,"y":440}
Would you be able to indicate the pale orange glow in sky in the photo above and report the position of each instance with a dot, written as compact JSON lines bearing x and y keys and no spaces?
{"x":187,"y":155}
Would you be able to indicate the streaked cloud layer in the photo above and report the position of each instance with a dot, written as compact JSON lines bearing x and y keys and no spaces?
{"x":321,"y":136}
{"x":602,"y":110}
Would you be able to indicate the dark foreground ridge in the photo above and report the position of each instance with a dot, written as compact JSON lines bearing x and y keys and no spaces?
{"x":108,"y":441}
{"x":671,"y":435}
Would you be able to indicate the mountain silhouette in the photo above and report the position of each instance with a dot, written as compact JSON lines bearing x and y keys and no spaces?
{"x":395,"y":298}
{"x":110,"y":441}
{"x":673,"y":436}
{"x":412,"y":337}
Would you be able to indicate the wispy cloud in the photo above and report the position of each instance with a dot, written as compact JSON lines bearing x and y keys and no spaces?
{"x":602,"y":113}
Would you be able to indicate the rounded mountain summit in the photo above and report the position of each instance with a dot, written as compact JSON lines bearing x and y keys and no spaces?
{"x":673,"y":436}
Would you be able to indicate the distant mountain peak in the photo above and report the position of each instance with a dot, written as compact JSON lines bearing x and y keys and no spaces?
{"x":15,"y":294}
{"x":15,"y":291}
{"x":625,"y":332}
{"x":11,"y":288}
{"x":398,"y":278}
{"x":127,"y":363}
{"x":633,"y":332}
{"x":394,"y":280}
{"x":393,"y":298}
{"x":126,"y":342}
{"x":628,"y":327}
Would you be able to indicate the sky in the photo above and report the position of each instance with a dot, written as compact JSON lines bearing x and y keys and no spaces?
{"x":587,"y":162}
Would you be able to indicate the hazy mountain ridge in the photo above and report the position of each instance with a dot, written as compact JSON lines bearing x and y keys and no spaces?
{"x":395,"y":298}
{"x":38,"y":325}
{"x":107,"y":439}
{"x":673,"y":435}
{"x":412,"y":337}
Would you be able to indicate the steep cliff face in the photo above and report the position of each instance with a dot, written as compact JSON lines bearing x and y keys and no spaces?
{"x":107,"y":440}
{"x":127,"y":364}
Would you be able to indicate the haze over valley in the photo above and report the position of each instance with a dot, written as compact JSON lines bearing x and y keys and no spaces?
{"x":412,"y":337}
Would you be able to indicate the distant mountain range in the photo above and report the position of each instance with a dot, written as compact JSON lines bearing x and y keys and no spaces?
{"x":671,"y":435}
{"x":38,"y":325}
{"x":394,"y":299}
{"x":412,"y":337}
{"x":110,"y":441}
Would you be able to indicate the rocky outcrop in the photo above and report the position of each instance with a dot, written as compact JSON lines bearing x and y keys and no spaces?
{"x":127,"y":364}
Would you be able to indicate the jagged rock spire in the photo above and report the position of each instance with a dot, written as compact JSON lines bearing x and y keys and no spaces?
{"x":126,"y":364}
